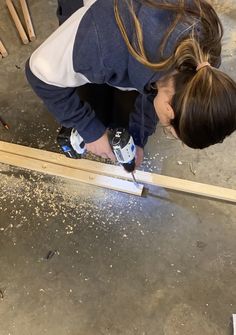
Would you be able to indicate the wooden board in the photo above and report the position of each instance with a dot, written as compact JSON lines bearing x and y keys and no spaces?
{"x":3,"y":50}
{"x":70,"y":173}
{"x":17,"y":22}
{"x":28,"y":20}
{"x":60,"y":159}
{"x":117,"y":171}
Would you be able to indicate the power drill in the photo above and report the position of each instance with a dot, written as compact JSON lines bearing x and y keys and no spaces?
{"x":122,"y":144}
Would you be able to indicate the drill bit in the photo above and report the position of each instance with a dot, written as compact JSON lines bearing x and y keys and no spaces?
{"x":134,"y":179}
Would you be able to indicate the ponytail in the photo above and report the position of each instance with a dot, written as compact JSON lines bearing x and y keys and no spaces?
{"x":212,"y":30}
{"x":205,"y":100}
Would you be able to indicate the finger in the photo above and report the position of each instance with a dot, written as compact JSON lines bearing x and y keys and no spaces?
{"x":138,"y":157}
{"x":104,"y":156}
{"x":138,"y":162}
{"x":111,"y":156}
{"x":89,"y":149}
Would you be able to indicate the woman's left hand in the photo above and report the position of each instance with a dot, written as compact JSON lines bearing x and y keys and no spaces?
{"x":139,"y":156}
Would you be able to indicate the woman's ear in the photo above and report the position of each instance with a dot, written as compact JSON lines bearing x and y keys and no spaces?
{"x":170,"y":111}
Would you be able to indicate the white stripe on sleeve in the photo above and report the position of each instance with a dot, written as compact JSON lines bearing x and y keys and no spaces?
{"x":52,"y":62}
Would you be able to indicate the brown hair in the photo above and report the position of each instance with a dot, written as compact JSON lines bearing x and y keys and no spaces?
{"x":205,"y":100}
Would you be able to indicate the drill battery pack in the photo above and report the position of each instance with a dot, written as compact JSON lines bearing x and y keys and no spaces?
{"x":64,"y":141}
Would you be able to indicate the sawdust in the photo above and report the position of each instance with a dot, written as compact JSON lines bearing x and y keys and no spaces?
{"x":229,"y":48}
{"x":31,"y":198}
{"x":227,"y":11}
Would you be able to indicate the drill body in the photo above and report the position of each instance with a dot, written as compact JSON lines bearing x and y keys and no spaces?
{"x":122,"y":144}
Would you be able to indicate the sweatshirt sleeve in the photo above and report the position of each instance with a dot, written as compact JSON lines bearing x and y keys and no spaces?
{"x":143,"y":120}
{"x":67,"y":108}
{"x":55,"y":71}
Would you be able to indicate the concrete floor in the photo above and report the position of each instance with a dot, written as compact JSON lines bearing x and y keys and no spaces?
{"x":160,"y":265}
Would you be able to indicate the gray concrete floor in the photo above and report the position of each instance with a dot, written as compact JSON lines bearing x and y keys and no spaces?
{"x":164,"y":264}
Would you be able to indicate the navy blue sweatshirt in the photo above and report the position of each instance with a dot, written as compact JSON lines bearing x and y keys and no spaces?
{"x":89,"y":48}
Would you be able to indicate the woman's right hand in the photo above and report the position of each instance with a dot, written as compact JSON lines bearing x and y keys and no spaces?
{"x":101,"y":147}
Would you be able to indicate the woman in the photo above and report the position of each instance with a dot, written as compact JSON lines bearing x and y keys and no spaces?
{"x":166,"y":53}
